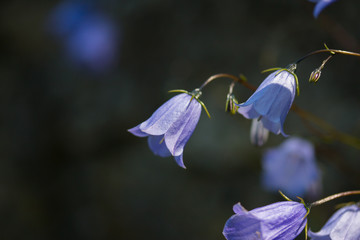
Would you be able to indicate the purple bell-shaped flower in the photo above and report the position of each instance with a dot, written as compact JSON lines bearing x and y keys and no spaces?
{"x":282,"y":221}
{"x":170,"y":126}
{"x":271,"y":102}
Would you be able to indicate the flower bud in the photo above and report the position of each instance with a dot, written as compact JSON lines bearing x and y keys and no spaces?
{"x":315,"y":75}
{"x":230,"y":105}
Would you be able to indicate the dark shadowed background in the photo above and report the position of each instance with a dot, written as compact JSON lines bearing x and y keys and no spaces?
{"x":70,"y":170}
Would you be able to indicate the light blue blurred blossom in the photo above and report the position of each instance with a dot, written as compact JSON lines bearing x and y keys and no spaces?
{"x":292,"y":168}
{"x":271,"y":102}
{"x":282,"y":221}
{"x":344,"y":224}
{"x":89,"y":37}
{"x":320,"y":5}
{"x":170,"y":126}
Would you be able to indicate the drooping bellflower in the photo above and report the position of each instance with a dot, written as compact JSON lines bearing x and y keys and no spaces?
{"x":282,"y":221}
{"x":291,"y":168}
{"x":344,"y":224}
{"x":171,"y":125}
{"x":271,"y":102}
{"x":320,"y":5}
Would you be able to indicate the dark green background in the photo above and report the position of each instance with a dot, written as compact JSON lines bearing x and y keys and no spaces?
{"x":70,"y":170}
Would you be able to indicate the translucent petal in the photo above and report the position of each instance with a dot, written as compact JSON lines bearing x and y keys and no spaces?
{"x":180,"y":131}
{"x":166,"y":115}
{"x":343,"y":224}
{"x":137,"y":132}
{"x":281,"y":220}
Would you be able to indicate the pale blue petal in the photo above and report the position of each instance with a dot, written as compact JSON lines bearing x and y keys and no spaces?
{"x":343,"y":224}
{"x":166,"y":115}
{"x":282,"y":220}
{"x":137,"y":132}
{"x":248,"y":111}
{"x":245,"y":226}
{"x":180,"y":131}
{"x":158,"y":146}
{"x":179,"y":161}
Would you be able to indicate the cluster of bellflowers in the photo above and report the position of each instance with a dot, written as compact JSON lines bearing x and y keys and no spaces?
{"x":290,"y":168}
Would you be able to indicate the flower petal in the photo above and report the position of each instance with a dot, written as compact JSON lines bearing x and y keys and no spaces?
{"x":320,"y":6}
{"x":343,"y":224}
{"x":245,"y":226}
{"x":158,"y":146}
{"x":179,"y":161}
{"x":180,"y":131}
{"x":282,"y":220}
{"x":161,"y":120}
{"x":137,"y":132}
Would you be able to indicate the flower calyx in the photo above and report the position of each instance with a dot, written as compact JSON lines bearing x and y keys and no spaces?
{"x":196,"y":93}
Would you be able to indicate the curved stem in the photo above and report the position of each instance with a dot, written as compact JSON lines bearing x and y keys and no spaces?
{"x":332,"y":51}
{"x":332,"y":197}
{"x":225,"y":75}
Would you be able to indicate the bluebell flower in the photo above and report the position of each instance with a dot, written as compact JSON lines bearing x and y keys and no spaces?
{"x":344,"y":224}
{"x":292,"y":168}
{"x":281,"y":221}
{"x":320,"y":5}
{"x":170,"y":126}
{"x":271,"y":102}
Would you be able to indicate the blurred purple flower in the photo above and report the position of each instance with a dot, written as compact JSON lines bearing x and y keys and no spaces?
{"x":320,"y":5}
{"x":344,"y":224}
{"x":272,"y":100}
{"x":89,"y":37}
{"x":291,"y":168}
{"x":170,"y":126}
{"x":282,"y":221}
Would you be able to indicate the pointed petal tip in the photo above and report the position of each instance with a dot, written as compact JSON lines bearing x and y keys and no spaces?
{"x":137,"y":131}
{"x":179,"y":161}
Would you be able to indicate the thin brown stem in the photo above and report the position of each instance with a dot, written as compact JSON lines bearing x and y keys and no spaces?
{"x":225,"y":75}
{"x":331,"y":51}
{"x":332,"y":197}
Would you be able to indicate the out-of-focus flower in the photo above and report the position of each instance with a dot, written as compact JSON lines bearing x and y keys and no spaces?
{"x":292,"y":168}
{"x":344,"y":224}
{"x":320,"y":5}
{"x":281,"y":221}
{"x":90,"y":39}
{"x":170,"y":126}
{"x":258,"y":134}
{"x":271,"y":102}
